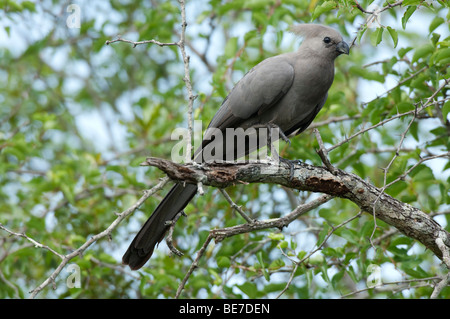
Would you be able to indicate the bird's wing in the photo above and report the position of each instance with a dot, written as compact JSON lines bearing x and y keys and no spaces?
{"x":261,"y":88}
{"x":305,"y":122}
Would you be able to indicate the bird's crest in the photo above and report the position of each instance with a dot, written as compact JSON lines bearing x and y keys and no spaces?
{"x":310,"y":30}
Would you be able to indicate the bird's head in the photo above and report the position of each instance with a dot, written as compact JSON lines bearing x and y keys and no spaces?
{"x":321,"y":40}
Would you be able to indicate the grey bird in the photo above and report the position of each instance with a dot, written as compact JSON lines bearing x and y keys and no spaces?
{"x":286,"y":91}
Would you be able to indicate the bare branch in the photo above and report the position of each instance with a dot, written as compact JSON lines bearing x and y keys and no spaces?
{"x":106,"y":233}
{"x":333,"y":119}
{"x":361,"y":8}
{"x":445,"y":280}
{"x":400,"y":285}
{"x":187,"y":78}
{"x":441,"y":285}
{"x":193,"y":265}
{"x":35,"y":243}
{"x":236,"y":207}
{"x":298,"y":263}
{"x":322,"y":151}
{"x":169,"y":238}
{"x":136,"y":43}
{"x":220,"y":234}
{"x":415,"y":112}
{"x":409,"y":220}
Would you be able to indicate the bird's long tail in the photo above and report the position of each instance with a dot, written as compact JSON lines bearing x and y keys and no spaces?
{"x":154,"y":229}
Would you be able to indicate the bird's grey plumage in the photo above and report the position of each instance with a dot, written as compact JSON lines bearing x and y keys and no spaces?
{"x":287,"y":90}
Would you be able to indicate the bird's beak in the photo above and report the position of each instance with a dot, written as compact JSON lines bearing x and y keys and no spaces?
{"x":342,"y":47}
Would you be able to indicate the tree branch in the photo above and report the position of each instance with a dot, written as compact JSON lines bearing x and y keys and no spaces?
{"x":220,"y":234}
{"x":181,"y":44}
{"x":106,"y":233}
{"x":409,"y":220}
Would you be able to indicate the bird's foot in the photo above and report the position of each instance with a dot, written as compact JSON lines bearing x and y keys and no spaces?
{"x":284,"y":137}
{"x":291,"y":164}
{"x":274,"y":132}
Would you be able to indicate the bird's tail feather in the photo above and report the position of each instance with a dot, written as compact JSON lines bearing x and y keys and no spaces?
{"x":154,"y":229}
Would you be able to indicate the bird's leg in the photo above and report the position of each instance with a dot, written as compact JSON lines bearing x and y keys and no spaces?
{"x":282,"y":135}
{"x":280,"y":132}
{"x":288,"y":162}
{"x":272,"y":128}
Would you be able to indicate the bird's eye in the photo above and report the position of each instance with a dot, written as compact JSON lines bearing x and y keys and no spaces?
{"x":326,"y":40}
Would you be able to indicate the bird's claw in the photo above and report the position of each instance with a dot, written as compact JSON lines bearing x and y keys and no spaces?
{"x":291,"y":164}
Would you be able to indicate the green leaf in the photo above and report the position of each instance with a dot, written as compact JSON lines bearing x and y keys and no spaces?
{"x":231,"y":47}
{"x":217,"y":279}
{"x":440,"y":56}
{"x":337,"y":278}
{"x":324,"y":270}
{"x":223,"y":262}
{"x":283,"y":244}
{"x":259,"y":255}
{"x":350,"y":235}
{"x":411,"y":2}
{"x":258,"y":4}
{"x":249,"y":289}
{"x":276,"y":264}
{"x":407,"y":15}
{"x":416,"y":272}
{"x":301,"y":254}
{"x":403,"y":107}
{"x":276,"y":236}
{"x":250,"y":35}
{"x":331,"y":252}
{"x":324,"y":7}
{"x":422,"y":173}
{"x":361,"y":33}
{"x":366,"y":74}
{"x":446,"y":109}
{"x":422,"y":52}
{"x":29,"y":6}
{"x":376,"y":37}
{"x":323,"y":233}
{"x":437,"y":21}
{"x":403,"y":51}
{"x":394,"y":35}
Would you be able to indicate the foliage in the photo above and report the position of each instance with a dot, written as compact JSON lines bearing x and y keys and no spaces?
{"x":78,"y":117}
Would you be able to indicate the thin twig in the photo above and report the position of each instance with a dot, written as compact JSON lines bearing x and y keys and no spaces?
{"x":136,"y":43}
{"x":169,"y":238}
{"x":220,"y":234}
{"x":402,"y":282}
{"x":193,"y":265}
{"x":386,"y":169}
{"x":187,"y":77}
{"x":322,"y":151}
{"x":427,"y":103}
{"x":441,"y":285}
{"x":106,"y":233}
{"x":445,"y":280}
{"x":35,"y":243}
{"x":236,"y":207}
{"x":333,"y":119}
{"x":361,"y":8}
{"x":422,"y":160}
{"x":298,"y":263}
